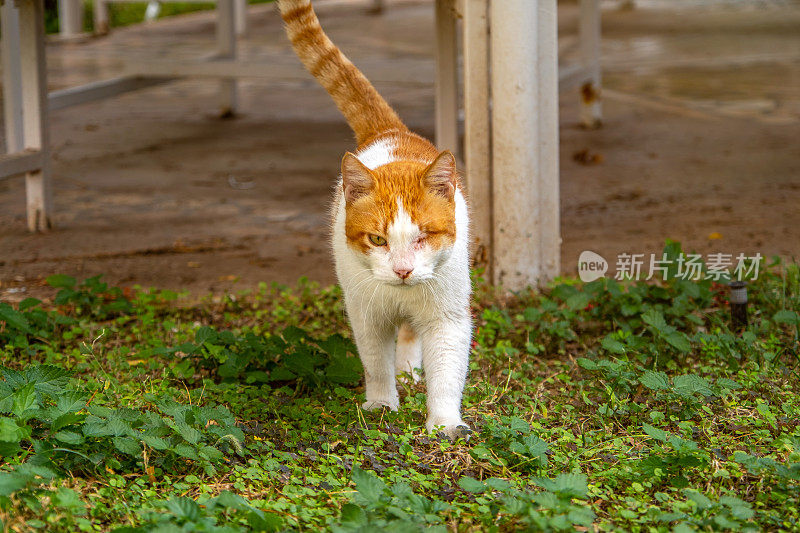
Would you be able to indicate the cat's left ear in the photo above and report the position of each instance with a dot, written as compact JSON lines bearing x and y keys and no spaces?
{"x":441,"y":177}
{"x":356,"y":178}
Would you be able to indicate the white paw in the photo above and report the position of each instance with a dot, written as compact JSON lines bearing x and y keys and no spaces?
{"x":453,"y":430}
{"x":373,"y":405}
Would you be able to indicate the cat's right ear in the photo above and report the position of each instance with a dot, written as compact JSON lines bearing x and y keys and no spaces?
{"x":357,"y":180}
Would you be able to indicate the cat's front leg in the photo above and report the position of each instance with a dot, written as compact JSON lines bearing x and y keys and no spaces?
{"x":445,"y":354}
{"x":376,"y":348}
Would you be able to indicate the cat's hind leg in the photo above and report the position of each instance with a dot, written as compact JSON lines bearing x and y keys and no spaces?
{"x":408,"y":358}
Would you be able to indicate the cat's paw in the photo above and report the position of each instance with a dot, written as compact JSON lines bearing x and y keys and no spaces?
{"x":374,"y":405}
{"x":462,"y":431}
{"x":453,"y":431}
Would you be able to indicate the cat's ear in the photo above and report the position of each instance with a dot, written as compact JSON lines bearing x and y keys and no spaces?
{"x":441,"y":177}
{"x":357,"y":179}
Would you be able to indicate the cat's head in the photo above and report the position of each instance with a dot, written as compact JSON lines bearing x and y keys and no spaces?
{"x":401,"y":216}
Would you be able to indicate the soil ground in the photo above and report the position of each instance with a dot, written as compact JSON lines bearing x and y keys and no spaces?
{"x":699,"y":144}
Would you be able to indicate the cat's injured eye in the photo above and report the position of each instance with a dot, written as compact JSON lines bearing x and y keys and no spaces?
{"x":377,"y":240}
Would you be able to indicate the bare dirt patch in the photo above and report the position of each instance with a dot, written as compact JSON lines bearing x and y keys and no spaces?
{"x":152,"y":189}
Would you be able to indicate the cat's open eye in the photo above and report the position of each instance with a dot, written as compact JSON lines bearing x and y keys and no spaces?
{"x":377,"y":240}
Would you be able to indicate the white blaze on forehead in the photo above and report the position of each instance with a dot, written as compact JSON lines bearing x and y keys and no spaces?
{"x":402,"y":232}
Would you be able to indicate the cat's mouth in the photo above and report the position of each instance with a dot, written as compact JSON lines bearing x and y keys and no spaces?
{"x":408,"y":282}
{"x":397,"y":282}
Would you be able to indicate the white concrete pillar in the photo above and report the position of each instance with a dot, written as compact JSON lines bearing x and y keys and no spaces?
{"x":477,"y":134}
{"x":240,"y":8}
{"x":549,"y":179}
{"x":446,"y":78}
{"x":70,"y":17}
{"x":34,"y":111}
{"x":12,"y":76}
{"x":589,"y":36}
{"x":522,"y":193}
{"x":226,"y":49}
{"x":100,"y":17}
{"x":152,"y":11}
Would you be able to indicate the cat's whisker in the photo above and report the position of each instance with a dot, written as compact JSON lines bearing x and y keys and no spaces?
{"x":370,"y":300}
{"x":351,"y":288}
{"x":374,"y":292}
{"x":425,"y":288}
{"x":362,"y":271}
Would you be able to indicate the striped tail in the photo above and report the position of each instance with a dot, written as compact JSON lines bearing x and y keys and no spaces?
{"x":365,"y":110}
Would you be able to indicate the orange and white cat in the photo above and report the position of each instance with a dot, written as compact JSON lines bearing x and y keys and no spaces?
{"x":400,"y":238}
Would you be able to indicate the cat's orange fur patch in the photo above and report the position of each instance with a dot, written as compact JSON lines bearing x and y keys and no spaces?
{"x":401,"y":183}
{"x":406,"y":335}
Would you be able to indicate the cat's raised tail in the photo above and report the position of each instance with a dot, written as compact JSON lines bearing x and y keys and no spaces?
{"x":365,"y":110}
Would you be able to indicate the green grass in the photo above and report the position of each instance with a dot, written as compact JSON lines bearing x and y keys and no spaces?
{"x":602,"y":405}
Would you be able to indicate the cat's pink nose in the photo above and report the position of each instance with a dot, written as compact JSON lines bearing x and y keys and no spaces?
{"x":403,"y":273}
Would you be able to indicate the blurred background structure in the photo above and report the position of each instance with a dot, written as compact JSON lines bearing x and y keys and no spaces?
{"x":510,"y":145}
{"x":701,"y":116}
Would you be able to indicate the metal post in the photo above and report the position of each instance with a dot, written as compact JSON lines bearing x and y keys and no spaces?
{"x":34,"y":111}
{"x":589,"y":35}
{"x":446,"y":77}
{"x":477,"y":127}
{"x":70,"y":17}
{"x":519,"y":179}
{"x":226,"y":49}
